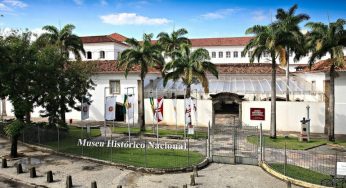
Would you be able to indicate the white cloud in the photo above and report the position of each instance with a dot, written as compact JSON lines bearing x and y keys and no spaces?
{"x":219,"y":14}
{"x":15,"y":3}
{"x":259,"y":15}
{"x":3,"y":7}
{"x":103,"y":2}
{"x":132,"y":19}
{"x":78,"y":2}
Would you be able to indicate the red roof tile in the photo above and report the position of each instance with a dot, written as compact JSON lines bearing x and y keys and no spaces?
{"x":247,"y":68}
{"x":322,"y":66}
{"x":117,"y":38}
{"x":229,"y":41}
{"x":109,"y":66}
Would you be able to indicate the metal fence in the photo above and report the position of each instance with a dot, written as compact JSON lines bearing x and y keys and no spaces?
{"x":140,"y":151}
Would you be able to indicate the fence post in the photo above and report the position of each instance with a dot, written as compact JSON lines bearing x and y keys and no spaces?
{"x":261,"y":144}
{"x":145,"y":153}
{"x":234,"y":144}
{"x":58,"y":137}
{"x":188,"y":151}
{"x":208,"y":140}
{"x":285,"y":163}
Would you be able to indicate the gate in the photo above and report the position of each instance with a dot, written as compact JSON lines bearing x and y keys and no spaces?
{"x":235,"y":144}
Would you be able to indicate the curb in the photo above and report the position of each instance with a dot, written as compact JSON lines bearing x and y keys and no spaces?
{"x":200,"y":165}
{"x":282,"y":177}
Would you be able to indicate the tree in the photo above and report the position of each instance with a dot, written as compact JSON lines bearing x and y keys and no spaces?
{"x":145,"y":55}
{"x":328,"y":39}
{"x":18,"y":80}
{"x":267,"y":40}
{"x":288,"y":23}
{"x":191,"y":67}
{"x":66,"y":42}
{"x":172,"y":42}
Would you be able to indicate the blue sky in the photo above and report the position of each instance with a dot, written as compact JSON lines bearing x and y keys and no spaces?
{"x":131,"y":18}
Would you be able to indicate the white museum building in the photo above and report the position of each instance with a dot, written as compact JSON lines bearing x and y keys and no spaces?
{"x":240,"y":86}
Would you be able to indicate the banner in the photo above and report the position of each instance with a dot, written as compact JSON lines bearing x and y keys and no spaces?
{"x":151,"y":99}
{"x":159,"y":110}
{"x":188,"y":121}
{"x":130,"y":106}
{"x":110,"y":108}
{"x":194,"y":101}
{"x":85,"y":111}
{"x":175,"y":109}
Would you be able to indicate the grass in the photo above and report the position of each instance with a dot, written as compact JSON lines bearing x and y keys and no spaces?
{"x":162,"y":132}
{"x":151,"y":158}
{"x":291,"y":142}
{"x":300,"y":173}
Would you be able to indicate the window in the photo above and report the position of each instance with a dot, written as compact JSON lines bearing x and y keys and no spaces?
{"x":213,"y":54}
{"x":313,"y":87}
{"x":265,"y":54}
{"x":249,"y":54}
{"x":228,"y":54}
{"x":235,"y":54}
{"x":220,"y":54}
{"x":89,"y":55}
{"x":242,"y":54}
{"x":102,"y":54}
{"x":114,"y":86}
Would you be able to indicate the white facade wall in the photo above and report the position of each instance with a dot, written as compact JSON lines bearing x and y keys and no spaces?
{"x":288,"y":115}
{"x":204,"y":113}
{"x":340,"y":103}
{"x":111,"y":50}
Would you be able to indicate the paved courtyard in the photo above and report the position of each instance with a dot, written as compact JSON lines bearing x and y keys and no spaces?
{"x":84,"y":172}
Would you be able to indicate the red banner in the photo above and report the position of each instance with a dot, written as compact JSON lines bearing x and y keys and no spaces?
{"x":257,"y":114}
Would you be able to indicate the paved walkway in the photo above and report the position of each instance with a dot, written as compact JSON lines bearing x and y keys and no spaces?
{"x":84,"y":172}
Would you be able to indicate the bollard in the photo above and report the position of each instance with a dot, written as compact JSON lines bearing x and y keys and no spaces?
{"x":32,"y":172}
{"x":93,"y":184}
{"x":19,"y":169}
{"x":289,"y":184}
{"x":193,"y":182}
{"x":195,"y":173}
{"x":69,"y":182}
{"x":49,"y":177}
{"x":119,"y":186}
{"x":4,"y":163}
{"x":185,"y":186}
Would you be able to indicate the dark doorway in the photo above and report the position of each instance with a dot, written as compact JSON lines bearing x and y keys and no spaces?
{"x":119,"y":112}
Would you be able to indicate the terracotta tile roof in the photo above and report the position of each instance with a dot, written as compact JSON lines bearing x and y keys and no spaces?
{"x":322,"y":66}
{"x":109,"y":66}
{"x":229,"y":41}
{"x":115,"y":37}
{"x":247,"y":68}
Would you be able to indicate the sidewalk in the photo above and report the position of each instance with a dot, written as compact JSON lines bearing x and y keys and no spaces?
{"x":83,"y":172}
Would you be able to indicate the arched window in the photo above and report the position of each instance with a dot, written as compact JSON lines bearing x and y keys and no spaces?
{"x":102,"y":54}
{"x":89,"y":55}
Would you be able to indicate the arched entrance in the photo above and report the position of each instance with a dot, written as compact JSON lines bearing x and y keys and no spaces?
{"x":227,"y":108}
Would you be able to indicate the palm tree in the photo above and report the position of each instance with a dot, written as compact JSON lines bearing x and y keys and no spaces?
{"x":190,"y":67}
{"x":172,"y":42}
{"x":145,"y":55}
{"x":67,"y":42}
{"x":267,"y":40}
{"x":288,"y":23}
{"x":328,"y":39}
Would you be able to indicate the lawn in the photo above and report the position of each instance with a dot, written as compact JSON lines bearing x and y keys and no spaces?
{"x":291,"y":142}
{"x":300,"y":173}
{"x":152,"y":158}
{"x":162,"y":132}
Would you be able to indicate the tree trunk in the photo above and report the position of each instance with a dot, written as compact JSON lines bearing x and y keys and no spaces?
{"x":287,"y":75}
{"x":188,"y":91}
{"x":14,"y":144}
{"x":28,"y":117}
{"x":273,"y":100}
{"x":3,"y":103}
{"x":331,"y":131}
{"x":142,"y":118}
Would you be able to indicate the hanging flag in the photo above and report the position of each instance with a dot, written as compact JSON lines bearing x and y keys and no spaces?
{"x":125,"y":104}
{"x":130,"y":106}
{"x":110,"y":108}
{"x":85,"y":111}
{"x":175,"y":108}
{"x":195,"y":110}
{"x":159,"y":110}
{"x":188,"y":121}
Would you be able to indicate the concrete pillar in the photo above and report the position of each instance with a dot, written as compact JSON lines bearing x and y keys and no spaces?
{"x":3,"y":101}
